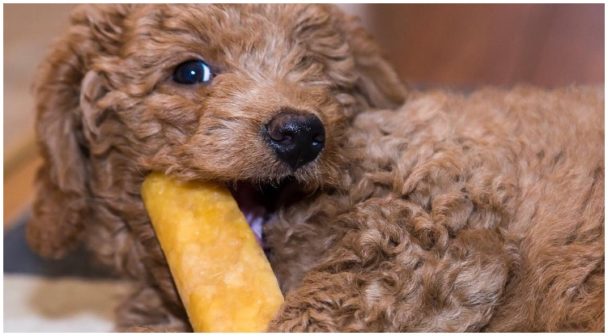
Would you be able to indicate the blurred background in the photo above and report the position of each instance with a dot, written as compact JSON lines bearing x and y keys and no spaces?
{"x":450,"y":46}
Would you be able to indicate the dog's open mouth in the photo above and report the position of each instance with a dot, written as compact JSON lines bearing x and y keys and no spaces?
{"x":259,"y":201}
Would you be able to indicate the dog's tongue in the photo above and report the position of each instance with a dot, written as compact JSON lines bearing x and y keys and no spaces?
{"x":255,"y":222}
{"x":254,"y":213}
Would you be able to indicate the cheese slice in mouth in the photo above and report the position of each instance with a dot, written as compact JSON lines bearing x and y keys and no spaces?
{"x":222,"y":275}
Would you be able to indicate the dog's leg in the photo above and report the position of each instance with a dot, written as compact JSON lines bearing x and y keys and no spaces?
{"x":145,"y":311}
{"x":388,"y":275}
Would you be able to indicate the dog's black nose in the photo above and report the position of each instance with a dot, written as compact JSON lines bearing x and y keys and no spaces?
{"x":297,"y":137}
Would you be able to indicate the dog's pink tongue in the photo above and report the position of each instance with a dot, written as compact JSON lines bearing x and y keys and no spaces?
{"x":254,"y":213}
{"x":255,"y":222}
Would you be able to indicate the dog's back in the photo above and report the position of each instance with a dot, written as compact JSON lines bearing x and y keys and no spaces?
{"x":559,"y":219}
{"x":526,"y":163}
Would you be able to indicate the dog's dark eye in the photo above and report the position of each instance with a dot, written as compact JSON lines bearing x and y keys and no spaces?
{"x":193,"y":72}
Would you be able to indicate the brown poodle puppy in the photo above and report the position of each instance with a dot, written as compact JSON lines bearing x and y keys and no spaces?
{"x":448,"y":213}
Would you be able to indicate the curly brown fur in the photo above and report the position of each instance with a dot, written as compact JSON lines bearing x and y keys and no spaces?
{"x":459,"y":213}
{"x":449,"y":213}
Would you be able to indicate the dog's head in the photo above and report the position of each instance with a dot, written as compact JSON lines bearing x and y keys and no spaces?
{"x":237,"y":93}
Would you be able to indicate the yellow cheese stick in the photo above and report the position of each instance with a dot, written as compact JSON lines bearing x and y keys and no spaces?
{"x":222,"y":275}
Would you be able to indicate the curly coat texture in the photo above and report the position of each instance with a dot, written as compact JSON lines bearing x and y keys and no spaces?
{"x":458,"y":213}
{"x":451,"y":212}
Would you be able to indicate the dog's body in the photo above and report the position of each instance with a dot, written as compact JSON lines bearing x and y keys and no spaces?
{"x":448,"y":213}
{"x":459,"y":213}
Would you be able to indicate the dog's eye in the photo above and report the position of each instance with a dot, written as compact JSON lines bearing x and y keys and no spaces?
{"x":193,"y":72}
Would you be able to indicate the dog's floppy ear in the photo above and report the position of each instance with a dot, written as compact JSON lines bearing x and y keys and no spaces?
{"x":61,"y":205}
{"x":377,"y":80}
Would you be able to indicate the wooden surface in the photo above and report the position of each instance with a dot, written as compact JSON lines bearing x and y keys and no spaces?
{"x":445,"y":45}
{"x":19,"y":190}
{"x":28,"y":31}
{"x":470,"y":45}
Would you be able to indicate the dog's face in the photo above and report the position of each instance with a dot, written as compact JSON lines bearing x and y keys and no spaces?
{"x":253,"y":94}
{"x":232,"y":93}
